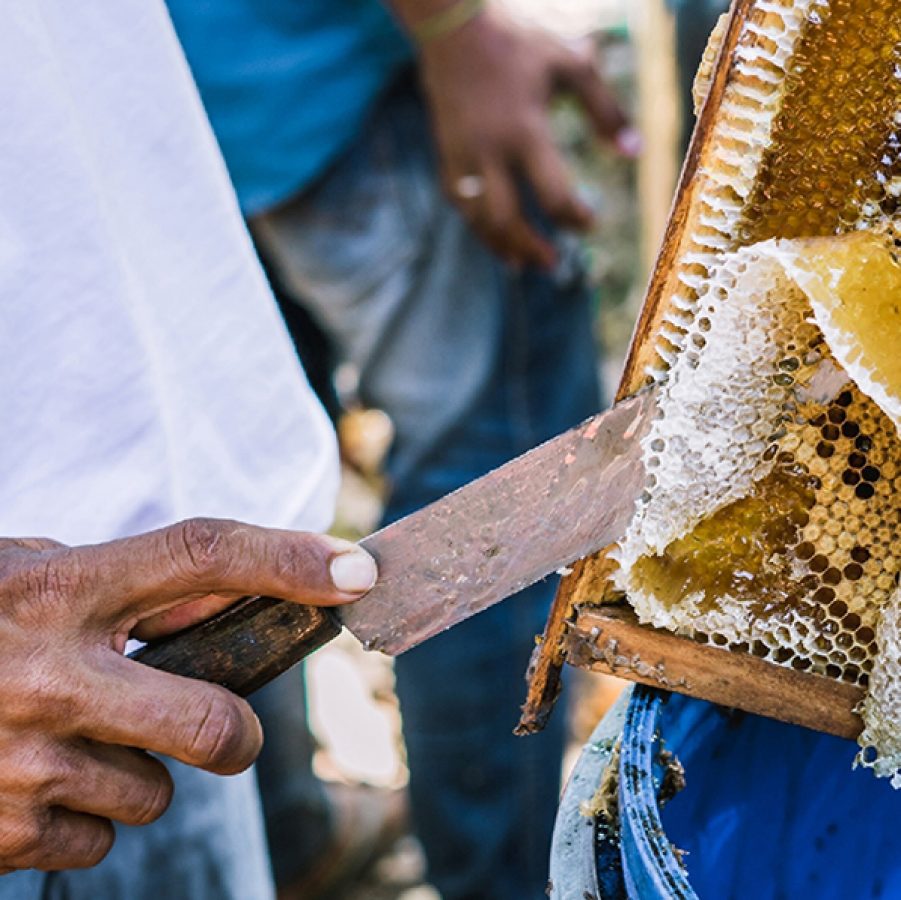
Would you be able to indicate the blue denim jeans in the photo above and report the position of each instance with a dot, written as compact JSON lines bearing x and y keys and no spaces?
{"x":475,"y":364}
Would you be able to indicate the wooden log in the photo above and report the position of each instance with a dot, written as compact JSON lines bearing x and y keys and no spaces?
{"x":609,"y":639}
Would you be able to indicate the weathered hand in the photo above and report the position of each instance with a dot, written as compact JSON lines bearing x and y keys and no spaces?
{"x":489,"y":85}
{"x":77,"y":717}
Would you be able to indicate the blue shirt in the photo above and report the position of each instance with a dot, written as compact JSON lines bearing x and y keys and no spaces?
{"x":287,"y":84}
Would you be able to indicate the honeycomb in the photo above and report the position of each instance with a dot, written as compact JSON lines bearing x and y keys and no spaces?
{"x":771,"y":517}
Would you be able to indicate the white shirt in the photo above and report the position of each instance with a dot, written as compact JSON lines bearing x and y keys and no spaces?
{"x":145,"y":375}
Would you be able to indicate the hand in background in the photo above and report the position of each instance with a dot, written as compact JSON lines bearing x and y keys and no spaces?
{"x":489,"y":85}
{"x":76,"y":716}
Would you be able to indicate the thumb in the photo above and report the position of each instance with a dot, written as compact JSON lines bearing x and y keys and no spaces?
{"x":146,"y":574}
{"x":352,"y":572}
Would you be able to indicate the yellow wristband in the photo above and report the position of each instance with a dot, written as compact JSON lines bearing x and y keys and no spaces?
{"x":447,"y":21}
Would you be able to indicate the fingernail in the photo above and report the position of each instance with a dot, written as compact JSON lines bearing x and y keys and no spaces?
{"x":629,"y":142}
{"x":353,"y":572}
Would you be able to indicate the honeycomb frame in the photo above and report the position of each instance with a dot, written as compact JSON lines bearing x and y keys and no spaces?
{"x":758,"y":179}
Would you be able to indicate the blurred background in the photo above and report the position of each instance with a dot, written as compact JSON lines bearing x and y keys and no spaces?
{"x":354,"y":714}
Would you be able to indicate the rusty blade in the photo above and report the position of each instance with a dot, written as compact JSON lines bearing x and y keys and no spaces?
{"x":499,"y":534}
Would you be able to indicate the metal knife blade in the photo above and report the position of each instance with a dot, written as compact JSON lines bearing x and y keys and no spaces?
{"x":561,"y":501}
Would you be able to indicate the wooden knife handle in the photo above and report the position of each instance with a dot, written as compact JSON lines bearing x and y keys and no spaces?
{"x":244,"y":646}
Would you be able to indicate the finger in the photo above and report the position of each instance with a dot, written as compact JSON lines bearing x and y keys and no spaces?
{"x":74,"y":840}
{"x":497,"y":216}
{"x":150,"y":572}
{"x":59,"y":839}
{"x":200,"y":724}
{"x":117,"y":783}
{"x":578,"y":73}
{"x":545,"y":170}
{"x":503,"y":218}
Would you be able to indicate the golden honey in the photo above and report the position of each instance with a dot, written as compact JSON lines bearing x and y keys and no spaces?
{"x":841,"y":93}
{"x":741,"y":550}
